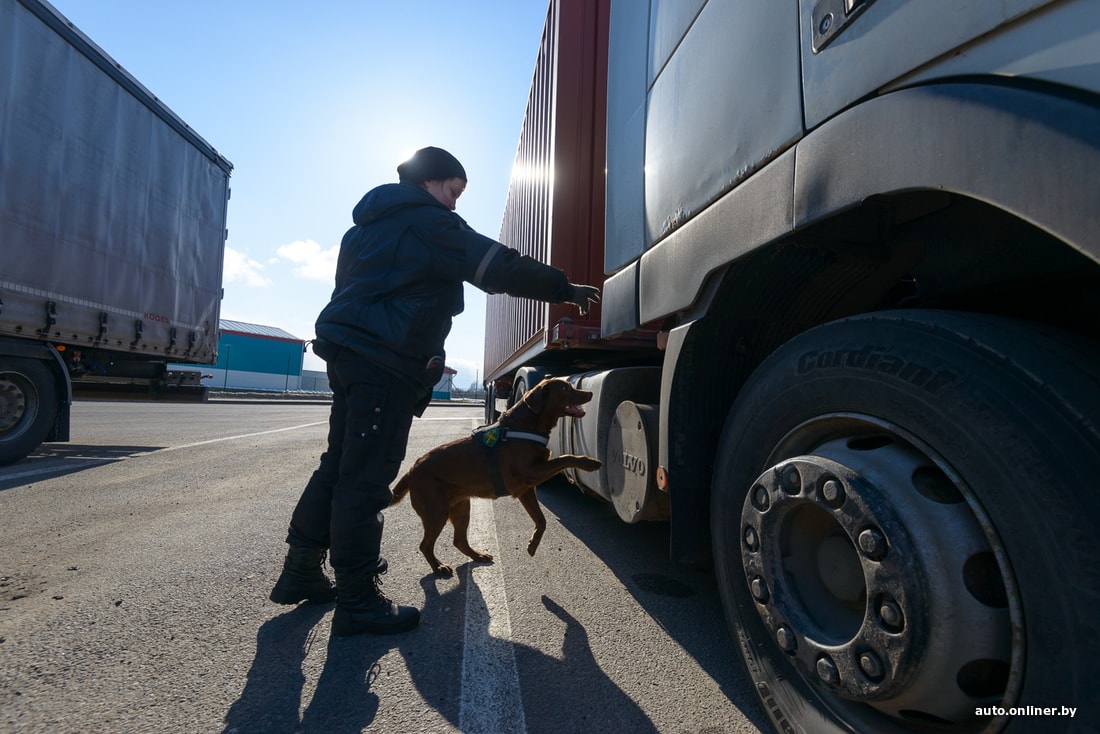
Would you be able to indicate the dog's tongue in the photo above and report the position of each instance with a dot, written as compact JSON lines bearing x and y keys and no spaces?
{"x":575,"y":410}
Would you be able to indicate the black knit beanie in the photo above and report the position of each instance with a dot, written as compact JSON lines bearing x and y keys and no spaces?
{"x":430,"y":164}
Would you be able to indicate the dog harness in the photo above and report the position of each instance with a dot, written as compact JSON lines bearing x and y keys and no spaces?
{"x":489,"y":437}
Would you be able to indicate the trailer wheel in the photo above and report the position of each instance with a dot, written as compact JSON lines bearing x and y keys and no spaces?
{"x":904,"y":523}
{"x":491,"y":412}
{"x":28,"y":407}
{"x":519,"y":389}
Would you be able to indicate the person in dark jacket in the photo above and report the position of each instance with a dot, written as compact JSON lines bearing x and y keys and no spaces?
{"x":399,"y":282}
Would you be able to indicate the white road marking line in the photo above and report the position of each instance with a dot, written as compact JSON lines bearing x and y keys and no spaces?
{"x":70,"y":465}
{"x":243,"y":435}
{"x":491,"y":702}
{"x":74,"y":464}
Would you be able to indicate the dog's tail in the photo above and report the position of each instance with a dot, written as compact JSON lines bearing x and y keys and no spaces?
{"x":400,"y":489}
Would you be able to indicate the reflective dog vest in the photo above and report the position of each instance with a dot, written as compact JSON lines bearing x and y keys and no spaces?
{"x":489,"y":437}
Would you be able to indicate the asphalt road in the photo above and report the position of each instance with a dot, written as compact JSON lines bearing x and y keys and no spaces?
{"x":135,"y":564}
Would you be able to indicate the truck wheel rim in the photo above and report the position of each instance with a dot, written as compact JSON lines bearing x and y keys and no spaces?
{"x":13,"y":402}
{"x":878,"y":574}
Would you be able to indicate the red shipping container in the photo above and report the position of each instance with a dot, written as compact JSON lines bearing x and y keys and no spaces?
{"x":555,"y":206}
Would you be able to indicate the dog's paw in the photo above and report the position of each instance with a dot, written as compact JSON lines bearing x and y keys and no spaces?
{"x":444,"y":570}
{"x":587,"y":463}
{"x":483,"y":557}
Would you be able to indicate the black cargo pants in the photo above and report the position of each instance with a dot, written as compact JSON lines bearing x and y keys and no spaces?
{"x":341,"y":506}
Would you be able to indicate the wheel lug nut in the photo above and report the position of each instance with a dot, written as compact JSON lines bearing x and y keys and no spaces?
{"x":786,"y":639}
{"x":872,"y":666}
{"x":827,"y":672}
{"x":759,"y":589}
{"x":833,"y":492}
{"x":873,"y":543}
{"x":760,"y":498}
{"x":890,"y":614}
{"x":791,"y":480}
{"x":752,"y":540}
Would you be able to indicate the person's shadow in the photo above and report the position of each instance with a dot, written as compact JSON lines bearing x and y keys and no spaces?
{"x":272,"y":695}
{"x":344,"y":701}
{"x":573,"y":692}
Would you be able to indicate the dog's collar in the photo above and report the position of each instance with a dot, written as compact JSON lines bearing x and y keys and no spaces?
{"x":490,"y":436}
{"x":524,"y":436}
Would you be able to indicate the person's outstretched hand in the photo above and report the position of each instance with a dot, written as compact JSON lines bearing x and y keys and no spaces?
{"x":583,"y":297}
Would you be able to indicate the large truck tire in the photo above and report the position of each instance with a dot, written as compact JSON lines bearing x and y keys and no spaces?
{"x":519,"y":389}
{"x":904,"y":518}
{"x":28,"y":406}
{"x":491,"y":412}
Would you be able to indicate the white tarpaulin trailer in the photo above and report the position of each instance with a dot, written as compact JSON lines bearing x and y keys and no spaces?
{"x":112,"y":227}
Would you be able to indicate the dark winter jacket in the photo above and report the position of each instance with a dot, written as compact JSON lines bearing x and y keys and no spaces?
{"x":400,"y":273}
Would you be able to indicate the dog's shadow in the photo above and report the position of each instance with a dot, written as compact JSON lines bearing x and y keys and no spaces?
{"x":562,"y":683}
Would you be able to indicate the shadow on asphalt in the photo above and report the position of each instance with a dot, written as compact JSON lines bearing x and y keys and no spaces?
{"x":343,"y":701}
{"x":563,"y":684}
{"x":272,"y":694}
{"x":684,"y":601}
{"x":57,"y":460}
{"x":272,"y":697}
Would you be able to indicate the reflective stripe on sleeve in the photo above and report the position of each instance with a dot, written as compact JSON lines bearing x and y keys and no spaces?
{"x":488,"y":258}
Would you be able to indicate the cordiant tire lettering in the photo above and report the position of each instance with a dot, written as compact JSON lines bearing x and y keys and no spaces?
{"x":877,"y":359}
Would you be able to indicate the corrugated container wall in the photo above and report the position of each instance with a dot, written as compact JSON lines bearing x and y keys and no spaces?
{"x":555,"y":206}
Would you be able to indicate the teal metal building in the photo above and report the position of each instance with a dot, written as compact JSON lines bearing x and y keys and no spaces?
{"x":255,"y":357}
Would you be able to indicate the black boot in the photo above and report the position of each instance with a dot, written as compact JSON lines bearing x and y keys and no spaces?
{"x":303,"y":578}
{"x":362,"y":607}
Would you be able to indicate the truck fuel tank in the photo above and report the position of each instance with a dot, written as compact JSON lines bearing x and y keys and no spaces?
{"x":631,"y":464}
{"x":625,"y":442}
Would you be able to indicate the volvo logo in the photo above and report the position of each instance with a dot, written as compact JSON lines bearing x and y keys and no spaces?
{"x":633,"y":464}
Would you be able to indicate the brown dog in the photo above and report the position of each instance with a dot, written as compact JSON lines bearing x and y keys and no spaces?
{"x":510,"y":458}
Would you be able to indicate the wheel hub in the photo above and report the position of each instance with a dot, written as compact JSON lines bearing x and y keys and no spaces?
{"x":862,"y":558}
{"x":13,"y":404}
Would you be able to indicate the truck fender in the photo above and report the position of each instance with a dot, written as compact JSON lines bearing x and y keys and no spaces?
{"x":695,"y":396}
{"x":957,"y":139}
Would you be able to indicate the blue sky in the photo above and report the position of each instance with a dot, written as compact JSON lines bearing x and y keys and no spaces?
{"x":315,"y":103}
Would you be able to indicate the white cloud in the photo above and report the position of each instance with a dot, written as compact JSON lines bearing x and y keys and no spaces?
{"x":313,"y":262}
{"x":469,"y":370}
{"x":240,"y":267}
